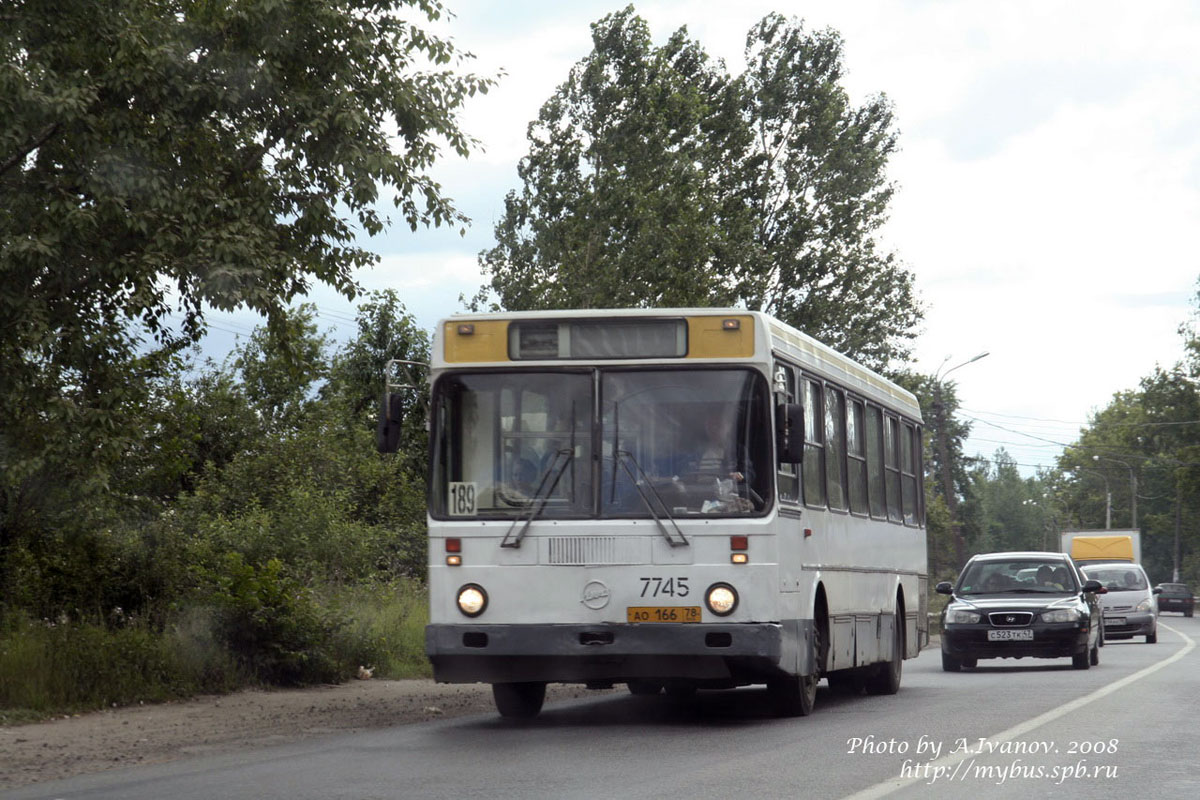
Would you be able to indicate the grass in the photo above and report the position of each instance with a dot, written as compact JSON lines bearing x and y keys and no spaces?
{"x":50,"y":668}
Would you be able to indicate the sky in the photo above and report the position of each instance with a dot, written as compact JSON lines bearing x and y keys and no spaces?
{"x":1047,"y":183}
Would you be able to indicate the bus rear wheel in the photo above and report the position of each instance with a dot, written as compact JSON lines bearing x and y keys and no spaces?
{"x":519,"y":700}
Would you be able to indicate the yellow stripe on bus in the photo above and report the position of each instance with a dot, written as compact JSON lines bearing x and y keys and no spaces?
{"x":707,"y":337}
{"x":488,"y":343}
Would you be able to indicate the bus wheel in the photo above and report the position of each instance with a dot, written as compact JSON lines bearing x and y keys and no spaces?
{"x":519,"y":700}
{"x":644,"y":687}
{"x":793,"y":695}
{"x":886,"y":679}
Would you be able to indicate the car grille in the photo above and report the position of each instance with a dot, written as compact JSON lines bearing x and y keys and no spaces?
{"x":1010,"y":619}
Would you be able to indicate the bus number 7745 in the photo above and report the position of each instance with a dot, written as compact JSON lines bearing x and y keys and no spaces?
{"x":668,"y":587}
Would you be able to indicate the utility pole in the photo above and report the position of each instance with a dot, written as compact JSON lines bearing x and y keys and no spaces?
{"x":939,"y":407}
{"x":1133,"y":488}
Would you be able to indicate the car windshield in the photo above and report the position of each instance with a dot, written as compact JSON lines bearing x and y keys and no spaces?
{"x":1019,"y":576}
{"x":1118,"y":578}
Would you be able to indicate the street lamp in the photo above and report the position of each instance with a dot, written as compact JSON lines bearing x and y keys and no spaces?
{"x":960,"y":546}
{"x":1133,"y":490}
{"x":1107,"y":495}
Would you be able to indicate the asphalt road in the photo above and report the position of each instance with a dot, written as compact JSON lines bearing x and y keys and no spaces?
{"x":1029,"y":728}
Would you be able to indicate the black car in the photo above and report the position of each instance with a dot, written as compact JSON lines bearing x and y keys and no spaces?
{"x":1014,"y":605}
{"x":1176,"y":597}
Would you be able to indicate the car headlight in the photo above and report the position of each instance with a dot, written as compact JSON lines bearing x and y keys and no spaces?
{"x":1061,"y":615}
{"x":1145,"y":605}
{"x":472,"y":600}
{"x":960,"y":616}
{"x":721,"y":599}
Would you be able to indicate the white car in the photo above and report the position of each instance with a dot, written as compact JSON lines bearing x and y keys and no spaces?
{"x":1130,"y":605}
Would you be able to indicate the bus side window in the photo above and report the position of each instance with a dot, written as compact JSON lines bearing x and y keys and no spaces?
{"x":856,"y":457}
{"x":814,"y":447}
{"x":835,"y":447}
{"x":909,"y":448}
{"x":891,"y":465}
{"x":788,"y":478}
{"x":875,"y":490}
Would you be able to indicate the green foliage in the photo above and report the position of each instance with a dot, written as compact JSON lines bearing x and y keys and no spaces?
{"x":272,"y":624}
{"x":654,"y":178}
{"x":163,"y":157}
{"x":252,"y":534}
{"x":48,"y":666}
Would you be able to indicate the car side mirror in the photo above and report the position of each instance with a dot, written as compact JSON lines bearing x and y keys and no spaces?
{"x":1094,"y":587}
{"x":789,"y":432}
{"x":1158,"y":590}
{"x":945,"y":587}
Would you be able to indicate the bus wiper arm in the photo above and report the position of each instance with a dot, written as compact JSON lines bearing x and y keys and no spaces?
{"x":673,"y":535}
{"x":545,"y":487}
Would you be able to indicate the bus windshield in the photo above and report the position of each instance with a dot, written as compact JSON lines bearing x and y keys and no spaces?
{"x":671,"y":443}
{"x":682,"y":442}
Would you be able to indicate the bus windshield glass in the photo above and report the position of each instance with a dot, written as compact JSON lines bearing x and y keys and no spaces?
{"x":671,"y":443}
{"x":684,"y":442}
{"x":504,"y":442}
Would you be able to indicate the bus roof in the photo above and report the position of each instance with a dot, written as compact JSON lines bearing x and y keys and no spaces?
{"x":712,"y":334}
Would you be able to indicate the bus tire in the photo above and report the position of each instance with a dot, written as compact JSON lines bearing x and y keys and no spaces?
{"x":793,"y":695}
{"x":519,"y":700}
{"x":886,"y":678}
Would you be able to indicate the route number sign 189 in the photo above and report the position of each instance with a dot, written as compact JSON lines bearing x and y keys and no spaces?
{"x":461,"y":502}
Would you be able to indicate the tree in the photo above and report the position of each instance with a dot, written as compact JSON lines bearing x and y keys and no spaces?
{"x":623,"y":195}
{"x":656,"y":179}
{"x":818,"y":196}
{"x":178,"y":155}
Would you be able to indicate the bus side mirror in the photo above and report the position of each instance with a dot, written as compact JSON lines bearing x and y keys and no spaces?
{"x":789,"y":432}
{"x":391,"y":416}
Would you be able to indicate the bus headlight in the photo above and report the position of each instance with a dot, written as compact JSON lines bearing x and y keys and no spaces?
{"x":472,"y":600}
{"x":721,"y":599}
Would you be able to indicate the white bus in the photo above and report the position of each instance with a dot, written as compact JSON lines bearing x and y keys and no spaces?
{"x":671,"y":499}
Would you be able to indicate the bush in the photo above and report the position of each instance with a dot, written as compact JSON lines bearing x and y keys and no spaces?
{"x":273,"y":626}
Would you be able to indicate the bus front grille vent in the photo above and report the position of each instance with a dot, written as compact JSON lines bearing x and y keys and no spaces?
{"x":577,"y":551}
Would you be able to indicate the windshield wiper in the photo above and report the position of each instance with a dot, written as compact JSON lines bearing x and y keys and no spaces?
{"x":546,"y":486}
{"x":673,"y":535}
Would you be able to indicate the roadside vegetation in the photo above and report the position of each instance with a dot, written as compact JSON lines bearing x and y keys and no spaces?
{"x":251,"y":534}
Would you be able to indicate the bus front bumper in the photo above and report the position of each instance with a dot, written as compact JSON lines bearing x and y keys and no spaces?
{"x":734,"y":653}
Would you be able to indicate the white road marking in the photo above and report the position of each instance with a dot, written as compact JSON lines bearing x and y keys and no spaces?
{"x":887,"y":787}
